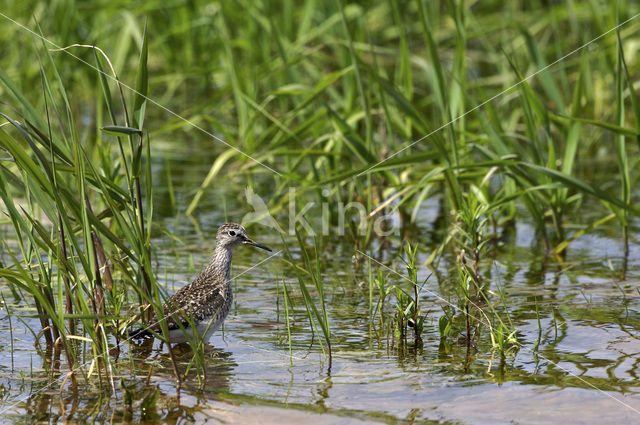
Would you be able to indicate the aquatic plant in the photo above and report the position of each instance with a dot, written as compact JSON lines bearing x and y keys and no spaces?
{"x":318,"y":318}
{"x":409,"y":313}
{"x":84,"y":223}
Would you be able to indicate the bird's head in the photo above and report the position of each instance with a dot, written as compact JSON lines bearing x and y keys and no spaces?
{"x":231,"y":235}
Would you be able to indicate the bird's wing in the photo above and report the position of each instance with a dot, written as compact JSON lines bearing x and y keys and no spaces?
{"x":199,"y":300}
{"x":200,"y":304}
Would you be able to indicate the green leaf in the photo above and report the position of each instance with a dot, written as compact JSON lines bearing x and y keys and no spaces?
{"x":142,"y":85}
{"x":118,"y":130}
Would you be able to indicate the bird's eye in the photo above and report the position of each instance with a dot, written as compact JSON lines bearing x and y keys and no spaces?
{"x":232,"y":233}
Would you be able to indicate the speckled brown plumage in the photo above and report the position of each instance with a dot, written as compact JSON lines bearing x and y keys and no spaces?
{"x":207,"y":299}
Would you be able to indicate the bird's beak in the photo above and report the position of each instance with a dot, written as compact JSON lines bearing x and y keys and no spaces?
{"x":248,"y":241}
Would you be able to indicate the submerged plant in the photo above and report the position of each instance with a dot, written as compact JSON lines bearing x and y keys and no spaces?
{"x":403,"y":315}
{"x":503,"y":340}
{"x":445,"y":323}
{"x":410,"y":314}
{"x":465,"y":286}
{"x":471,"y":240}
{"x":383,"y":293}
{"x":317,"y":317}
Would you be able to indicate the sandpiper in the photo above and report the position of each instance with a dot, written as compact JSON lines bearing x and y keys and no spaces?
{"x":207,"y":300}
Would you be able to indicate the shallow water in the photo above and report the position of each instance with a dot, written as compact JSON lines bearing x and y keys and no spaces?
{"x":584,"y":370}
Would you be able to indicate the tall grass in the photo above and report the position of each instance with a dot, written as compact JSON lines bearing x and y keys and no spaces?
{"x":318,"y":317}
{"x":81,"y":219}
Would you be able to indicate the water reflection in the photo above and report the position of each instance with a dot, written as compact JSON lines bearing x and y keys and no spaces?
{"x":214,"y":378}
{"x":147,"y":395}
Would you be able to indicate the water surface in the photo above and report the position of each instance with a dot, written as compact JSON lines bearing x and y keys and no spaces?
{"x":583,"y":371}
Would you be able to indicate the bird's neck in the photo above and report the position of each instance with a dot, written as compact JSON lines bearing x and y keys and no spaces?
{"x":220,"y":265}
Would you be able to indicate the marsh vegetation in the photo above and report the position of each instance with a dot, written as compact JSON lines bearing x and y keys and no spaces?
{"x":450,"y":187}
